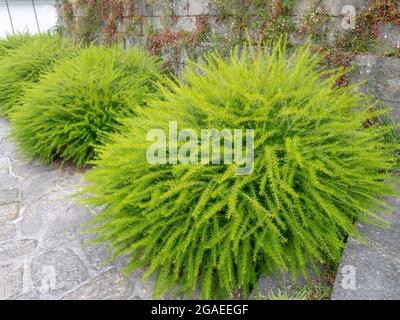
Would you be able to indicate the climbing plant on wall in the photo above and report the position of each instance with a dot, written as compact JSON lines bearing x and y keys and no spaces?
{"x":155,"y":23}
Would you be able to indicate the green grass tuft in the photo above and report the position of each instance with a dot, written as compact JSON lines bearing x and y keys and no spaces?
{"x":12,"y":42}
{"x":24,"y":65}
{"x":68,"y":113}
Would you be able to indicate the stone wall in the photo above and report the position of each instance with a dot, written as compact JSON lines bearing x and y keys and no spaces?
{"x":381,"y":77}
{"x":176,"y":28}
{"x":159,"y":17}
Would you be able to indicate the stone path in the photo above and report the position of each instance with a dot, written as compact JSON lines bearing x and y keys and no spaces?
{"x":376,"y":265}
{"x":371,"y":270}
{"x":41,"y":252}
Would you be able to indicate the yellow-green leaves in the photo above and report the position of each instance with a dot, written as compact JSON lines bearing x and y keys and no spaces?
{"x":316,"y":169}
{"x":70,"y":111}
{"x":22,"y":66}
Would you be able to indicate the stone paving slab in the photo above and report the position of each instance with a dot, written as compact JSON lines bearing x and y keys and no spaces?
{"x":42,"y":252}
{"x":371,"y":270}
{"x":381,"y":77}
{"x":374,"y":266}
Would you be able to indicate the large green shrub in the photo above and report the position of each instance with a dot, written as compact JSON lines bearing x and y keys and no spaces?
{"x":66,"y":114}
{"x":317,"y":167}
{"x":23,"y":66}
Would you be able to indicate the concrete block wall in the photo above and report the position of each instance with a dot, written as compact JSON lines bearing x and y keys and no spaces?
{"x":171,"y":17}
{"x":176,"y":16}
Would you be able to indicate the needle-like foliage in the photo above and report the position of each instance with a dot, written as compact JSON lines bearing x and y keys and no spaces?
{"x":11,"y":42}
{"x":317,"y":168}
{"x":24,"y":65}
{"x":67,"y":112}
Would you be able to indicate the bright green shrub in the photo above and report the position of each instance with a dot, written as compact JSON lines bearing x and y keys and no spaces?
{"x":66,"y":114}
{"x":12,"y":42}
{"x":317,"y":167}
{"x":23,"y":66}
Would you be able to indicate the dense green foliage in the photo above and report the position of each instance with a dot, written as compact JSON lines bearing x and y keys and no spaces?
{"x":12,"y":42}
{"x":22,"y":67}
{"x":317,"y":168}
{"x":66,"y":114}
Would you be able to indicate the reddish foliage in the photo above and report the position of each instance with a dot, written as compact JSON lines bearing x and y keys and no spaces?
{"x":201,"y":24}
{"x":278,"y":6}
{"x":157,"y":41}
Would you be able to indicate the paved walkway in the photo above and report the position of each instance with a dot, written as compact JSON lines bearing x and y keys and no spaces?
{"x":376,"y":265}
{"x":41,"y":256}
{"x":371,"y":271}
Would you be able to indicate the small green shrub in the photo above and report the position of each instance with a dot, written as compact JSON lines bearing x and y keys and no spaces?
{"x":24,"y":65}
{"x":317,"y":167}
{"x":12,"y":42}
{"x":66,"y":114}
